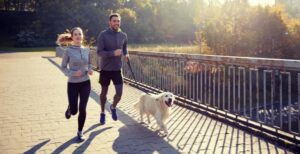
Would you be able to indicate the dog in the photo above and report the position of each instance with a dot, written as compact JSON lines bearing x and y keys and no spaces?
{"x":157,"y":106}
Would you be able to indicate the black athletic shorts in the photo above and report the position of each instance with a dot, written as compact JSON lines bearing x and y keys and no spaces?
{"x":106,"y":76}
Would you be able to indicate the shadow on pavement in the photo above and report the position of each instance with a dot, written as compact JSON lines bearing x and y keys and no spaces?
{"x":35,"y":148}
{"x":86,"y":143}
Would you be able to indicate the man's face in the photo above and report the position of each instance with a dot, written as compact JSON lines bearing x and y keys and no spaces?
{"x":115,"y":23}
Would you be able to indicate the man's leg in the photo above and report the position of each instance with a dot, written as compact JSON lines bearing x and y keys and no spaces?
{"x":117,"y":98}
{"x":104,"y":81}
{"x":118,"y":95}
{"x":103,"y":98}
{"x":118,"y":82}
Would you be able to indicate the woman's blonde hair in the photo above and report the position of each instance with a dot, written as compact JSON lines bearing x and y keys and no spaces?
{"x":66,"y":38}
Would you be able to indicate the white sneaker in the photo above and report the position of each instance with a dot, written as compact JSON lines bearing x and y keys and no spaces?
{"x":80,"y":136}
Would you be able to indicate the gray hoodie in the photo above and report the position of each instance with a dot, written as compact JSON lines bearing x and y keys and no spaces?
{"x":107,"y":42}
{"x":76,"y":58}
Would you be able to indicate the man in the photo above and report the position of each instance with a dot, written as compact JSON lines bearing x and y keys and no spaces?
{"x":111,"y":45}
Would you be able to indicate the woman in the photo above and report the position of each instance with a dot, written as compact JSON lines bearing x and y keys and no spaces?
{"x":76,"y":65}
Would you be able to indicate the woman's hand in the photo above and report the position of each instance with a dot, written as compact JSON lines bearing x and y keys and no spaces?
{"x":90,"y":72}
{"x":78,"y":73}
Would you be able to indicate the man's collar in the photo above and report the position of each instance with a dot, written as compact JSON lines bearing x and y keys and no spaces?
{"x":119,"y":30}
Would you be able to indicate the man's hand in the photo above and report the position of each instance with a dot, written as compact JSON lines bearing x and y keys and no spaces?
{"x":78,"y":73}
{"x":126,"y":58}
{"x":90,"y":72}
{"x":118,"y":52}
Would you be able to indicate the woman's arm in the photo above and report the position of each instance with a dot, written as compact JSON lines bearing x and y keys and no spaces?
{"x":90,"y":65}
{"x":64,"y":65}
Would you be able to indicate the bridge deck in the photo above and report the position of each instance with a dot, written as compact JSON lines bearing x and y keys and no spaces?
{"x":33,"y":102}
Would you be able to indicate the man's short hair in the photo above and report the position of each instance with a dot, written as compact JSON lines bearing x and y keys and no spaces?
{"x":114,"y":15}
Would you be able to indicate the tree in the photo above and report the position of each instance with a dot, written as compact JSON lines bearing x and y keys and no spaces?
{"x":246,"y":30}
{"x":128,"y":18}
{"x":18,"y":5}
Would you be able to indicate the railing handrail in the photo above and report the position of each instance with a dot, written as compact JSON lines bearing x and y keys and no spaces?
{"x":219,"y":59}
{"x":290,"y":64}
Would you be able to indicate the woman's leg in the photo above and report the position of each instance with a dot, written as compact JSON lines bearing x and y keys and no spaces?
{"x":73,"y":93}
{"x":85,"y":90}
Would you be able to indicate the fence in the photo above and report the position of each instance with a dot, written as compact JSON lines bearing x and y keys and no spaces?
{"x":260,"y":90}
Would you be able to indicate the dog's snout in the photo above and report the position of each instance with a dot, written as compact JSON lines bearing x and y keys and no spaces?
{"x":170,"y":100}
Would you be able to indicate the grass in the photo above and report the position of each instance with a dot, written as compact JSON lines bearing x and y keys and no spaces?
{"x":175,"y":48}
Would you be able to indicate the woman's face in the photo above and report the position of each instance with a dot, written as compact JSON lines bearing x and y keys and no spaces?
{"x":77,"y":36}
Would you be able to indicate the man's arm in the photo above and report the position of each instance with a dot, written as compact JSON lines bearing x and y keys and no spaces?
{"x":125,"y":52}
{"x":100,"y":47}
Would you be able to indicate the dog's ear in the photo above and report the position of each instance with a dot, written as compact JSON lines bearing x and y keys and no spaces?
{"x":161,"y":101}
{"x":173,"y":98}
{"x":161,"y":97}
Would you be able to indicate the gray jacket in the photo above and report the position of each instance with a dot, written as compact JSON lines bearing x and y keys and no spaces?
{"x":107,"y":42}
{"x":76,"y":58}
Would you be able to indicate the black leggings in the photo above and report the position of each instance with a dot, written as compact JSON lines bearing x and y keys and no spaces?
{"x":82,"y":90}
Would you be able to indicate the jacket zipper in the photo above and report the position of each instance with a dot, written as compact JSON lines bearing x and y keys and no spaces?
{"x":80,"y":54}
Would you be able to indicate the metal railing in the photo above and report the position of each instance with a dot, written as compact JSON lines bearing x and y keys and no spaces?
{"x":260,"y":90}
{"x":266,"y":91}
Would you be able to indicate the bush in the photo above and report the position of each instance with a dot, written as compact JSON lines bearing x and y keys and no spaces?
{"x":31,"y":39}
{"x":26,"y":39}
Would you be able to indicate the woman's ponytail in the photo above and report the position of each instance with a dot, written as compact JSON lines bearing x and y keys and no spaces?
{"x":64,"y":39}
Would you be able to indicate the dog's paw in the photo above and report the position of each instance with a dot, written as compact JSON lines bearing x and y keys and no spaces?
{"x":163,"y":134}
{"x":154,"y":128}
{"x":143,"y":123}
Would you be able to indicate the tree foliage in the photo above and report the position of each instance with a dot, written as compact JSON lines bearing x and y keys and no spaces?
{"x":230,"y":28}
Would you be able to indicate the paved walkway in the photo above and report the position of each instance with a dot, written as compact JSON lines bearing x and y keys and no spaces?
{"x":33,"y":101}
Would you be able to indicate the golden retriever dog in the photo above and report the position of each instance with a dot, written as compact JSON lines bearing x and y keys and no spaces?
{"x":157,"y":106}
